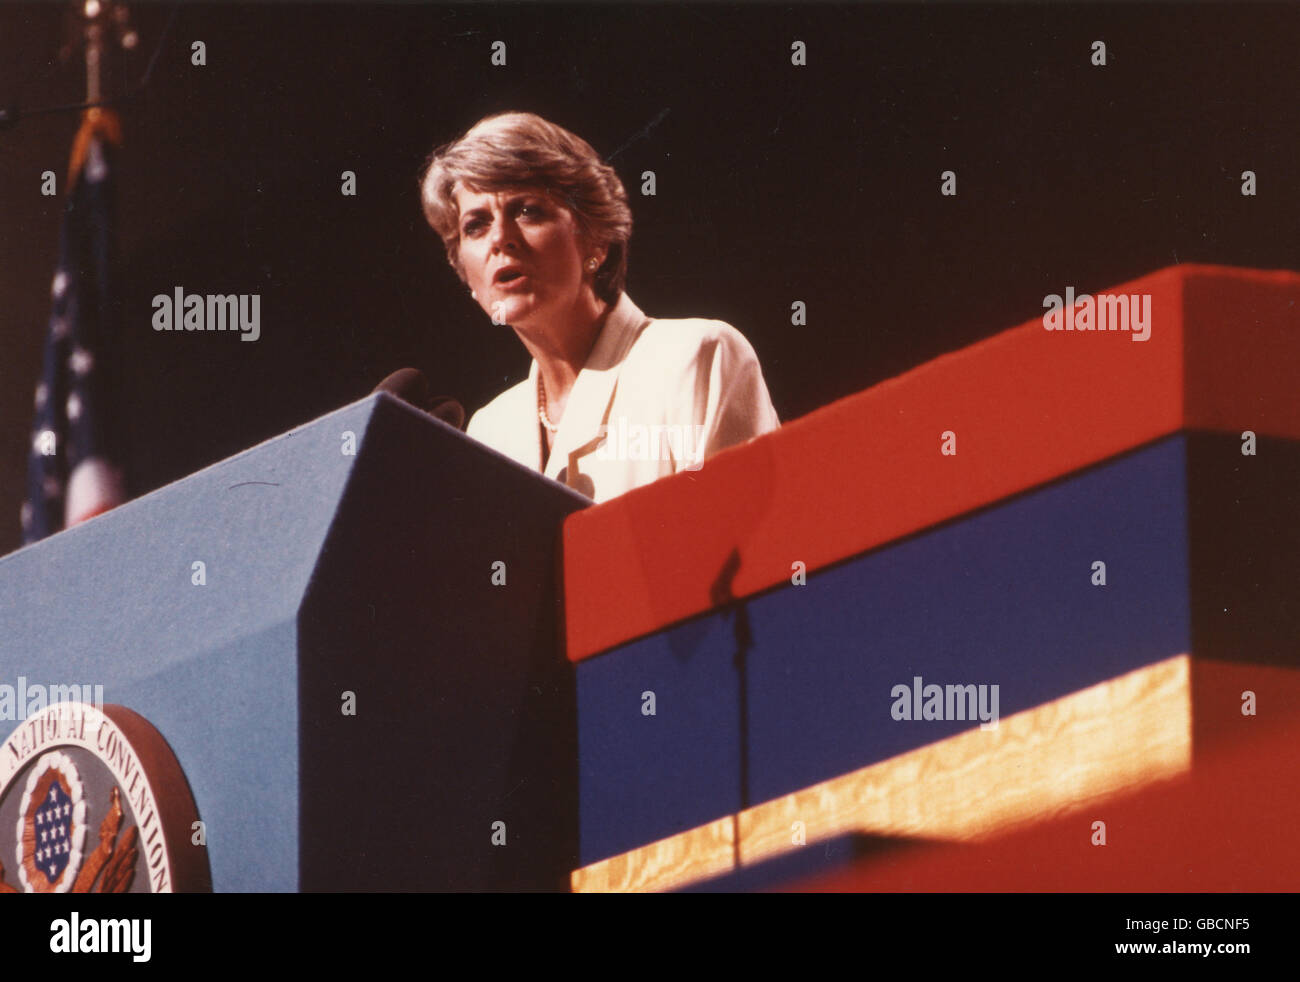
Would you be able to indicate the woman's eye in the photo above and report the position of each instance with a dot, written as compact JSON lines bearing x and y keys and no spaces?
{"x":472,"y":227}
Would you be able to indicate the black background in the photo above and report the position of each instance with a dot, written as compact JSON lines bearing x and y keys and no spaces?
{"x":917,"y":935}
{"x":775,"y":183}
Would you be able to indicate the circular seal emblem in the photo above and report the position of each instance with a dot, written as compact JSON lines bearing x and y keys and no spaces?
{"x":92,"y":800}
{"x":51,"y":825}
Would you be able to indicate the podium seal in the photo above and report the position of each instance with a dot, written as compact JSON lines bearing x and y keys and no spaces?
{"x":92,"y":800}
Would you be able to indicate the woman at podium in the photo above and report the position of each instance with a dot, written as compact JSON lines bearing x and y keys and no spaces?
{"x":537,"y":227}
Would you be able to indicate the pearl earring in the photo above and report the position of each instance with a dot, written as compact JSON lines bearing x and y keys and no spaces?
{"x":592,"y":264}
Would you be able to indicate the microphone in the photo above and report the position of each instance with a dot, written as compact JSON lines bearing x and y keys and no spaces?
{"x":410,"y":385}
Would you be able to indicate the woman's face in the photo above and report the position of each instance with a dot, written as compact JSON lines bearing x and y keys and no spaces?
{"x":521,"y":253}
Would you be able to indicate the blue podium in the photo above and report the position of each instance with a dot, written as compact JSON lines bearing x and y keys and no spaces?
{"x":349,"y":637}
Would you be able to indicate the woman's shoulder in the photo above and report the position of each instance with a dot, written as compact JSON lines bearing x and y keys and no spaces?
{"x":689,"y":337}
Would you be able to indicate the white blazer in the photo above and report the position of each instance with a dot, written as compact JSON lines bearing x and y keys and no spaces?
{"x":655,"y":397}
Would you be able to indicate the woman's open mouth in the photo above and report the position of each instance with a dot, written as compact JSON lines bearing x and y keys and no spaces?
{"x":512,"y":279}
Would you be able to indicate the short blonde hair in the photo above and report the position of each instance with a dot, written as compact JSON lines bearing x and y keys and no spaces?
{"x":516,"y":149}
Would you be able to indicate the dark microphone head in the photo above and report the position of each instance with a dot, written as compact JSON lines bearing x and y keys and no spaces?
{"x":410,"y":385}
{"x":449,"y":411}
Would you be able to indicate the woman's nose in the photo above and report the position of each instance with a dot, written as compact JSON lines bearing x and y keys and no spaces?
{"x":503,"y":233}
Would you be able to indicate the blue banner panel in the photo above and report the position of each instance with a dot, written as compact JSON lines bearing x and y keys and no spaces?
{"x":802,"y":683}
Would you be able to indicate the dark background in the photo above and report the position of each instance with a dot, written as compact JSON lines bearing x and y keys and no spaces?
{"x":775,"y":183}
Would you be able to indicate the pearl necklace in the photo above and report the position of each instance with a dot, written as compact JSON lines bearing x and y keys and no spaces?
{"x":541,"y":407}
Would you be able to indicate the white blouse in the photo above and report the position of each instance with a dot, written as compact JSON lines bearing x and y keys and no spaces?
{"x":656,"y":396}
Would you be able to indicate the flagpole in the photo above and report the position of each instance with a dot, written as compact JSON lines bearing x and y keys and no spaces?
{"x":94,"y":49}
{"x":97,"y":16}
{"x":96,"y":118}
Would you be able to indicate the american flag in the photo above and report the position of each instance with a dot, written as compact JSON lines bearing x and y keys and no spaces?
{"x":72,"y":473}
